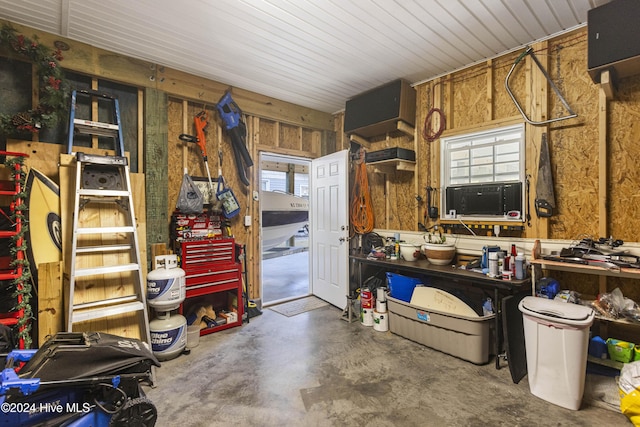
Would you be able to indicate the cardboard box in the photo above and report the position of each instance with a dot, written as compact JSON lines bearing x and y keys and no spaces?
{"x":230,"y":317}
{"x":465,"y":337}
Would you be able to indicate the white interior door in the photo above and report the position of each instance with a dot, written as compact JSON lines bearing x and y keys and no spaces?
{"x":329,"y":219}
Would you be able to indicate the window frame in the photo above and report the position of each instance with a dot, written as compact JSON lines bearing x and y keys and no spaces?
{"x":479,"y":141}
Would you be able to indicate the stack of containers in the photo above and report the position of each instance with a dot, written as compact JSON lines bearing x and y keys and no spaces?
{"x":380,"y":319}
{"x":366,"y":307}
{"x":166,"y":290}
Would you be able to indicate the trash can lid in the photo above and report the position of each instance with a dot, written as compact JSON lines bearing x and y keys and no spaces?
{"x":548,"y":308}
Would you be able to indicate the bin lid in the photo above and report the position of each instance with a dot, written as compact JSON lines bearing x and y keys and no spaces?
{"x":548,"y":308}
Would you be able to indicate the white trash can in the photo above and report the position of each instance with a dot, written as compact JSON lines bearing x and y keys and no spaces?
{"x":556,"y":336}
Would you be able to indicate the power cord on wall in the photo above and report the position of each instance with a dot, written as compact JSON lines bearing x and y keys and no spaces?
{"x":465,"y":226}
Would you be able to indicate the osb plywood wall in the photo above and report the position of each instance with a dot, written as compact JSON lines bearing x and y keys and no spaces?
{"x":476,"y":99}
{"x":393,"y":192}
{"x":624,"y":155}
{"x":501,"y":104}
{"x":574,"y":143}
{"x":263,"y":135}
{"x":468,"y":97}
{"x":168,"y":101}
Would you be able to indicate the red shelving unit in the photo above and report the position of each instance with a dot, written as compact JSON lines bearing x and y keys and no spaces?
{"x":13,"y":189}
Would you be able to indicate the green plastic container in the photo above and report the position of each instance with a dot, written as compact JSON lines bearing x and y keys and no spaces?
{"x":636,"y":352}
{"x":621,"y":351}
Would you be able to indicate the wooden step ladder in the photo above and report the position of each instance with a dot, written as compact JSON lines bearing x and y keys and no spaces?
{"x":107,"y":256}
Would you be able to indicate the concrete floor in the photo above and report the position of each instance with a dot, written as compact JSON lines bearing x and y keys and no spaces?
{"x":314,"y":369}
{"x":285,"y":274}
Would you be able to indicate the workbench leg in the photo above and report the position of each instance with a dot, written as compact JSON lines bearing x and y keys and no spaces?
{"x":497,"y":324}
{"x":349,"y":313}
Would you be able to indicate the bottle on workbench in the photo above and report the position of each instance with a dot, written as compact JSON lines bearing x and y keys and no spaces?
{"x":493,"y":264}
{"x":520,"y":266}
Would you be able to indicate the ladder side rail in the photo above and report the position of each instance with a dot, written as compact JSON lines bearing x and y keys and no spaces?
{"x":74,"y":246}
{"x":120,"y":138}
{"x":72,"y":116}
{"x":136,"y":254}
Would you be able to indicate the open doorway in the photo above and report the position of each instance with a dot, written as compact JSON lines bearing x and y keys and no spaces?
{"x":284,"y":210}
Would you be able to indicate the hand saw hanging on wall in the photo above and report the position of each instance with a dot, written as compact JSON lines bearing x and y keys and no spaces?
{"x":545,"y":201}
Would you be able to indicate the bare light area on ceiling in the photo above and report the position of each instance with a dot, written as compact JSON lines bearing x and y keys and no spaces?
{"x":314,"y":53}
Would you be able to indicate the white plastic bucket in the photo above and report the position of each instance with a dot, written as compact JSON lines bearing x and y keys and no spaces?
{"x":366,"y":316}
{"x":193,"y":336}
{"x":380,"y":321}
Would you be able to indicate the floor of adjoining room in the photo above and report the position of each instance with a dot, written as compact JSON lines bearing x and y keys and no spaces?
{"x":315,"y":369}
{"x":285,"y":274}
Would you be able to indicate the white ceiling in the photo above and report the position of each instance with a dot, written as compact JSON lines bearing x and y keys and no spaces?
{"x":314,"y":53}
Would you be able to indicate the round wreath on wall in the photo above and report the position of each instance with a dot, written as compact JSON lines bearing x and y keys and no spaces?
{"x":50,"y":77}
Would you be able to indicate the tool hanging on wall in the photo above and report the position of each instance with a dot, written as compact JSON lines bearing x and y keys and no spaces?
{"x":361,"y":209}
{"x":231,"y":115}
{"x":545,"y":201}
{"x":529,"y":51}
{"x":200,"y":121}
{"x":528,"y":190}
{"x":230,"y":205}
{"x":432,"y":211}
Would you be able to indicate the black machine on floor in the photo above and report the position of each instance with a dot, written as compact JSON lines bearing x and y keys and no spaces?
{"x":79,"y":379}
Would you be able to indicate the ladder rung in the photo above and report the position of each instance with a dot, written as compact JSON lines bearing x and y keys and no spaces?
{"x":95,"y":128}
{"x":105,"y":230}
{"x":82,"y":315}
{"x":106,"y":302}
{"x":103,"y":248}
{"x":103,"y":193}
{"x":91,"y":123}
{"x":7,"y":233}
{"x":82,"y":272}
{"x":96,"y":159}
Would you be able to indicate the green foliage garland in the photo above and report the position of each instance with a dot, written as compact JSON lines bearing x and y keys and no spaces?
{"x":52,"y":94}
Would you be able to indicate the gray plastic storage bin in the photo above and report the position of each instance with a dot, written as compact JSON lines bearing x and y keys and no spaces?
{"x":460,"y":336}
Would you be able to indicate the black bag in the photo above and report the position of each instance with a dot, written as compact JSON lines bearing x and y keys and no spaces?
{"x":371,"y":241}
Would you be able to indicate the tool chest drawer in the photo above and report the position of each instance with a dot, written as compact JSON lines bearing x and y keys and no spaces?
{"x":196,"y":253}
{"x":213,"y":276}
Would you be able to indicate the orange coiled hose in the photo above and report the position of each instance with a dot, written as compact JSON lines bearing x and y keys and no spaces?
{"x":361,"y":212}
